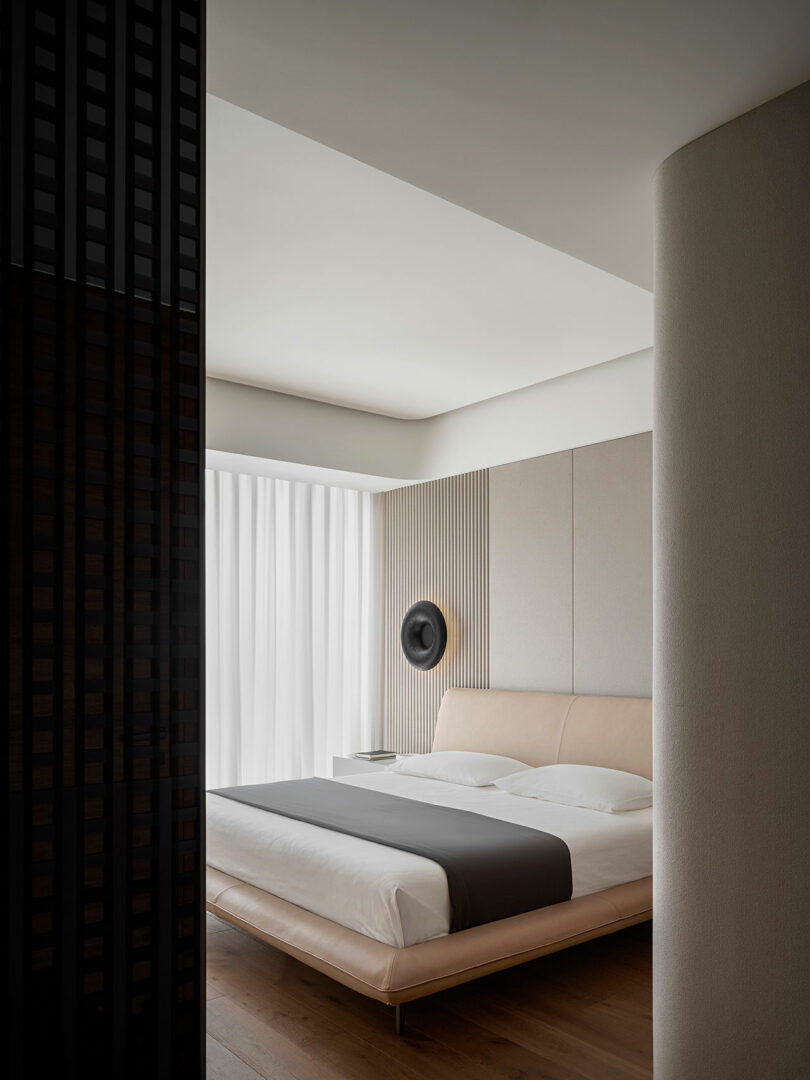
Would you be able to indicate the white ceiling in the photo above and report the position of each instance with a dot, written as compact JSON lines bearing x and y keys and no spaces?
{"x":519,"y":130}
{"x":548,"y":116}
{"x":607,"y":401}
{"x":329,"y":279}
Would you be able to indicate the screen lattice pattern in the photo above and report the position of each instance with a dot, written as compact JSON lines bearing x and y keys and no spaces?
{"x":101,"y":334}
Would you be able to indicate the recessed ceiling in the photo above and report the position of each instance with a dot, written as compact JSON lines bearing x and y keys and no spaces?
{"x":415,"y":205}
{"x":332,"y":280}
{"x":547,"y":116}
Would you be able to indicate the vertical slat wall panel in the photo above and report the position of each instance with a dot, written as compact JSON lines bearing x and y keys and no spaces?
{"x":436,"y":548}
{"x":101,"y":423}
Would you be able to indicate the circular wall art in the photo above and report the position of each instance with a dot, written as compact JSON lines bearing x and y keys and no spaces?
{"x":423,"y":635}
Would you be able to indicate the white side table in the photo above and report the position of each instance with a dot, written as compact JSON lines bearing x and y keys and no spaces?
{"x":350,"y":766}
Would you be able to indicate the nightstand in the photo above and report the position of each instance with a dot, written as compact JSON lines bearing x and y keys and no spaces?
{"x":350,"y":766}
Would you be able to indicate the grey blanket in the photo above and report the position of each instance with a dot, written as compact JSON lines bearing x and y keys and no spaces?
{"x":494,"y":868}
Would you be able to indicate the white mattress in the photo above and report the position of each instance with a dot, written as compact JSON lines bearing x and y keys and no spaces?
{"x":395,"y":896}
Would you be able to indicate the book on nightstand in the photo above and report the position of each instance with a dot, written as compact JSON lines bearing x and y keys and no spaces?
{"x":375,"y":755}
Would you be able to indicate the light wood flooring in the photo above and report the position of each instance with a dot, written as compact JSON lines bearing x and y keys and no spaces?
{"x":580,"y":1014}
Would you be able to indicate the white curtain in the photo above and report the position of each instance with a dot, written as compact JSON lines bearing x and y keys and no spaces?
{"x":292,"y":627}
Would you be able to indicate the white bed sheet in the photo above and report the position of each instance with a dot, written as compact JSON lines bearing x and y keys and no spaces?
{"x":395,"y":896}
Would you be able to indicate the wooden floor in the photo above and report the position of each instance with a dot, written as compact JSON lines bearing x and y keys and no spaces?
{"x":581,"y":1014}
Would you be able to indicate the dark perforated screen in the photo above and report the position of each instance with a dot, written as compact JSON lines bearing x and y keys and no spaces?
{"x":101,"y":427}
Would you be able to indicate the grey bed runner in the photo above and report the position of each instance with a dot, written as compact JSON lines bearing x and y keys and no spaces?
{"x":494,"y":868}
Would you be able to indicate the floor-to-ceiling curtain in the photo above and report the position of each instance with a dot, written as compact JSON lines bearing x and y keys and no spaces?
{"x":292,"y":642}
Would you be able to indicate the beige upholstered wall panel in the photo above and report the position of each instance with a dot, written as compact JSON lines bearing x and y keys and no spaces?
{"x":612,"y":584}
{"x":530,"y":550}
{"x":436,"y":548}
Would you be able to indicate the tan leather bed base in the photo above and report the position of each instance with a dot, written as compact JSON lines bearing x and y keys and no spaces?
{"x":395,"y":976}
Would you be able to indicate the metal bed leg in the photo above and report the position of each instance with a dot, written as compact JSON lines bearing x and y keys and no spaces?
{"x":399,"y":1019}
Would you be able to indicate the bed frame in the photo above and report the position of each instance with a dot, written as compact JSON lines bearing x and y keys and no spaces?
{"x":538,"y":728}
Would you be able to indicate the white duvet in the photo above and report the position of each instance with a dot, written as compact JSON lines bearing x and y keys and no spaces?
{"x":395,"y":896}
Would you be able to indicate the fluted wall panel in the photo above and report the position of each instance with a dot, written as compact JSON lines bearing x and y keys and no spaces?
{"x":436,"y":548}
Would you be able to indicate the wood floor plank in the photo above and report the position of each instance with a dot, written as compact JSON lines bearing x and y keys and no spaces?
{"x":560,"y":1048}
{"x":494,"y":1051}
{"x":311,"y":1048}
{"x":581,"y":1014}
{"x":221,"y":1064}
{"x":599,"y":1027}
{"x":269,"y":1051}
{"x":325,"y":1012}
{"x":601,"y":1003}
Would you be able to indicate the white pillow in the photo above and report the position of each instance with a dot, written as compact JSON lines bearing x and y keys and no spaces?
{"x":458,"y":767}
{"x":609,"y":790}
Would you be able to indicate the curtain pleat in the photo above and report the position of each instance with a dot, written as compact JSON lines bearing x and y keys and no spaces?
{"x":292,"y":627}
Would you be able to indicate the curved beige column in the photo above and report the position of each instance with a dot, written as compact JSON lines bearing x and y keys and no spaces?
{"x":732,"y":655}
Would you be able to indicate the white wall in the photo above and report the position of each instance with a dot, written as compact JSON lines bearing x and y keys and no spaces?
{"x":599,"y":403}
{"x":222,"y":461}
{"x":265,"y":424}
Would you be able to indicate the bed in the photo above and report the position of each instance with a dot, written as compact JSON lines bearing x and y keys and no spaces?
{"x":377,"y":919}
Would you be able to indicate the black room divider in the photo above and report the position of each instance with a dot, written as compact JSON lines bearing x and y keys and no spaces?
{"x":101,"y":421}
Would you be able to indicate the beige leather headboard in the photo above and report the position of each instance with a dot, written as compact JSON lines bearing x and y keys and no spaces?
{"x":547,"y":729}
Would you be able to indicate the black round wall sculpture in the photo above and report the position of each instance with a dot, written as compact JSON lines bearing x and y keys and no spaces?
{"x":423,"y":635}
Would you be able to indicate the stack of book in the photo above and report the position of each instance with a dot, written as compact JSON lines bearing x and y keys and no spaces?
{"x":376,"y":755}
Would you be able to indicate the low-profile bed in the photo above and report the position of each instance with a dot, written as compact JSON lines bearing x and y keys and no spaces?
{"x":379,"y":919}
